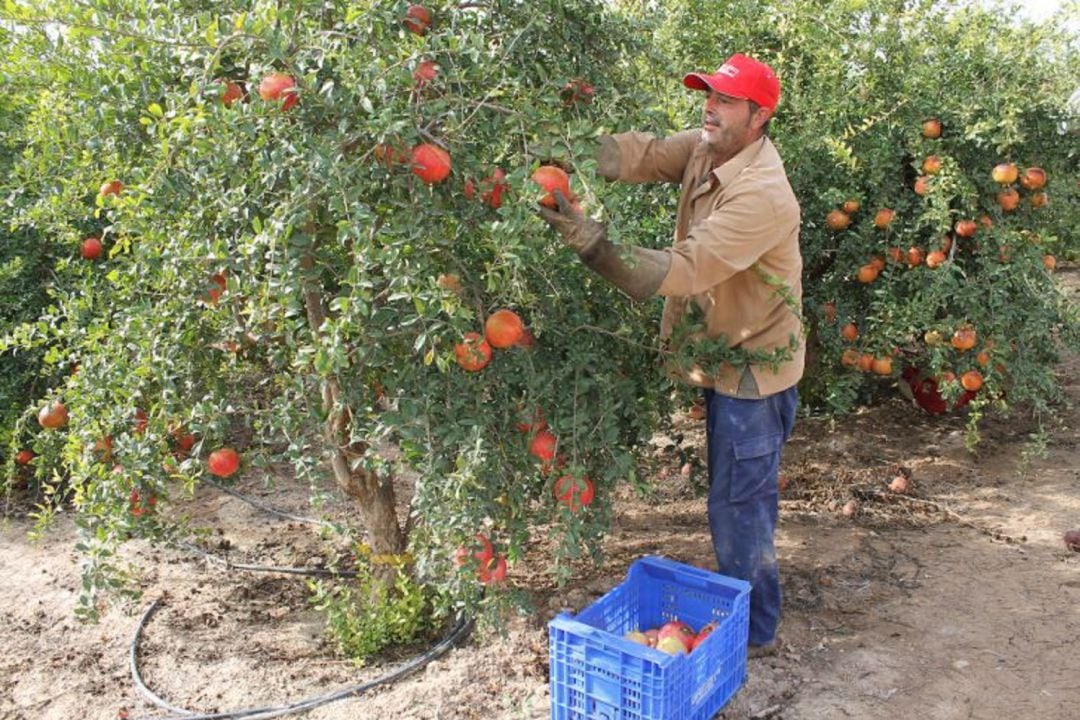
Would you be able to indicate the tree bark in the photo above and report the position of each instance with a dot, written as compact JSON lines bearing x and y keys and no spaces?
{"x":374,"y":494}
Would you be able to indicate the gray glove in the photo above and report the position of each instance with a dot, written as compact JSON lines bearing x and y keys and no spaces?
{"x":639,"y":276}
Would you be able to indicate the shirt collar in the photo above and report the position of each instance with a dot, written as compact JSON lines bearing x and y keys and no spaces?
{"x":729,"y":170}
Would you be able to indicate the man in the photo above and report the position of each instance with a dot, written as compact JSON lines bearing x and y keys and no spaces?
{"x":735,"y":265}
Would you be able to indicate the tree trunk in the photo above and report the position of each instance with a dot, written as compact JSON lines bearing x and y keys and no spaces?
{"x":374,"y":494}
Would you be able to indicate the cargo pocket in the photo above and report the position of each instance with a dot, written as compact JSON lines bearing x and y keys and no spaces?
{"x":757,"y":461}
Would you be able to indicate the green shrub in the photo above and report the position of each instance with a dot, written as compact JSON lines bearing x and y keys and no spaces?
{"x":366,"y":615}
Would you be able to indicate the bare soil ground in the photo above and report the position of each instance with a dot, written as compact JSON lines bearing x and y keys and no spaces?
{"x":957,"y":601}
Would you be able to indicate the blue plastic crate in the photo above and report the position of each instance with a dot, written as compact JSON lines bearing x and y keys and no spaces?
{"x":598,"y":675}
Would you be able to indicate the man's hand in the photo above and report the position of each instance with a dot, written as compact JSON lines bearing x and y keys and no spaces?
{"x":578,"y":231}
{"x":638,"y":274}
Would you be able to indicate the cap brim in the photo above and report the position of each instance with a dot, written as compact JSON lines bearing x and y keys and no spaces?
{"x":696,"y":81}
{"x":701,"y":81}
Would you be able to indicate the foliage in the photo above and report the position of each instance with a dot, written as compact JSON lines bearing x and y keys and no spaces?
{"x":24,"y":268}
{"x":367,"y":615}
{"x":858,"y":80}
{"x":278,"y":280}
{"x":290,"y":205}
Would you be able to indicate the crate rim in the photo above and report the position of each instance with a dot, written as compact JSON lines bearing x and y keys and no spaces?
{"x":566,"y":620}
{"x":664,"y":561}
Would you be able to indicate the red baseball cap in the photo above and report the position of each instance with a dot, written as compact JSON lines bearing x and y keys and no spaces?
{"x":740,"y":77}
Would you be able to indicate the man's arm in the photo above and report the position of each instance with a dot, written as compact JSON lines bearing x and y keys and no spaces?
{"x":640,"y":157}
{"x":637,"y":271}
{"x":727,"y":242}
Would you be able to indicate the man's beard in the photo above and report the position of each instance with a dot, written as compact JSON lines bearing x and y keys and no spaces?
{"x":721,"y":138}
{"x":718,"y":138}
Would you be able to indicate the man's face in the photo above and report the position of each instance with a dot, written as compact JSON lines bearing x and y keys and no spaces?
{"x":727,"y":124}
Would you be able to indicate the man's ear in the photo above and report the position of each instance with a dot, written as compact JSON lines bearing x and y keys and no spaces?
{"x":760,"y":117}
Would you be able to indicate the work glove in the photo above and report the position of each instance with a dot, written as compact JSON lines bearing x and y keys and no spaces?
{"x":577,"y":230}
{"x":639,"y":275}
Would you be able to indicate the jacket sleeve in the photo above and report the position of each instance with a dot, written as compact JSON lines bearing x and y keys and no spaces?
{"x":643,"y":157}
{"x":731,"y":239}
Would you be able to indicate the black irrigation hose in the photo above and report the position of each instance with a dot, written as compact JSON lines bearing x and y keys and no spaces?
{"x":133,"y":661}
{"x":460,"y":631}
{"x":266,"y":507}
{"x":230,"y":565}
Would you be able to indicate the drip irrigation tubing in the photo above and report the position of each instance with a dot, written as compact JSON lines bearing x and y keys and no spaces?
{"x":266,"y":507}
{"x":230,"y":565}
{"x":460,"y":631}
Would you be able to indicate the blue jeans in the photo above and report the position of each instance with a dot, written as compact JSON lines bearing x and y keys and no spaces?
{"x":744,"y":439}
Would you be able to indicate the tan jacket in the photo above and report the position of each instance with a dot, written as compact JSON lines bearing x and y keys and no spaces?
{"x":736,"y":242}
